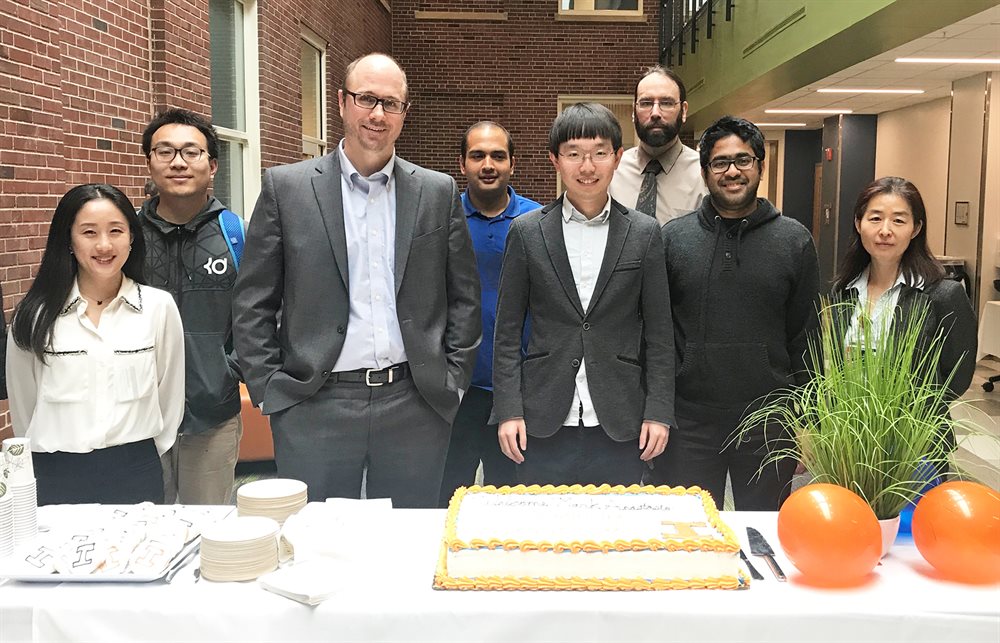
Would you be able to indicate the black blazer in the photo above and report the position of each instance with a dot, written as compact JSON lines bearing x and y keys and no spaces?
{"x":625,"y":336}
{"x":950,"y":310}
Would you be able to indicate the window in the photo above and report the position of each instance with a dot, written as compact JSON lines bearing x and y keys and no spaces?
{"x":235,"y":111}
{"x":600,"y":9}
{"x":621,"y":106}
{"x":313,"y":63}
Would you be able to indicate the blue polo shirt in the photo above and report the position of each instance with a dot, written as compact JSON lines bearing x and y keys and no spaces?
{"x":488,"y":238}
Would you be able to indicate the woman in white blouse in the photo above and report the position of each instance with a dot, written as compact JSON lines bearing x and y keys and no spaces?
{"x":95,"y":359}
{"x":889,"y":271}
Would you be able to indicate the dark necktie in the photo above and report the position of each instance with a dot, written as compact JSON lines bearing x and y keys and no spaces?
{"x":646,"y":203}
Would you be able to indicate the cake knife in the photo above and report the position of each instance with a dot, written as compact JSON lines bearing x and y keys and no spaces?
{"x":759,"y":547}
{"x":754,"y":574}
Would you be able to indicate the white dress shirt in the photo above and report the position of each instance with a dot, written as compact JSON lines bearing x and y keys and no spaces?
{"x":679,"y":187}
{"x":881,"y":312}
{"x":102,"y":386}
{"x":373,"y":338}
{"x":586,"y":240}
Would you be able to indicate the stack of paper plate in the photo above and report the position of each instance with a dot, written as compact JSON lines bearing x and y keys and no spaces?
{"x":277,"y":498}
{"x":239,"y":549}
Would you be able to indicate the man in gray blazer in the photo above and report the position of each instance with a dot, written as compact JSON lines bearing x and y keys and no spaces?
{"x":357,"y":308}
{"x":598,"y":373}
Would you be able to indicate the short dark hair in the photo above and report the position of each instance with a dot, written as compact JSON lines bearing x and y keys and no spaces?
{"x":663,"y":71}
{"x":37,"y":312}
{"x":481,"y":124}
{"x":585,"y":120}
{"x":917,"y":261}
{"x":175,"y":116}
{"x":729,"y":126}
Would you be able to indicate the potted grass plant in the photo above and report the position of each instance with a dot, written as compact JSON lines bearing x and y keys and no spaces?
{"x":874,"y":415}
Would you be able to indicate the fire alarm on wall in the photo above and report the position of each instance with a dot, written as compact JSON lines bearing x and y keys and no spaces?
{"x":828,"y":153}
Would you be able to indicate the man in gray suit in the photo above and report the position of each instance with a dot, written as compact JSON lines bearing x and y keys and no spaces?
{"x":598,"y":374}
{"x":368,"y":260}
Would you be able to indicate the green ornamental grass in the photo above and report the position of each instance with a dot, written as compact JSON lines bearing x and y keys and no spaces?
{"x":871,"y":419}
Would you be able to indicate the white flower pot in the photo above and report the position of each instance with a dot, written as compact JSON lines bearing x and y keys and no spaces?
{"x":889,"y":527}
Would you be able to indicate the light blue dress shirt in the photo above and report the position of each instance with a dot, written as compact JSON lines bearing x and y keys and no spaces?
{"x":373,"y":338}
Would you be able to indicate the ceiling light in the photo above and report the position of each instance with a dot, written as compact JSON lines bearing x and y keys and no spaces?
{"x":808,"y":111}
{"x":947,"y":61}
{"x":837,"y":90}
{"x":780,"y":124}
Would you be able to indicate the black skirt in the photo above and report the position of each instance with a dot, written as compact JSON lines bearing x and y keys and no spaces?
{"x":121,"y":475}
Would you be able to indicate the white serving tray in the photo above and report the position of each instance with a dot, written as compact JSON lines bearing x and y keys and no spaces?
{"x":14,"y":568}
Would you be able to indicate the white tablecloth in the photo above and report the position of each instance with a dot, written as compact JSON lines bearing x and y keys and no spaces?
{"x":989,"y":331}
{"x":392,"y":600}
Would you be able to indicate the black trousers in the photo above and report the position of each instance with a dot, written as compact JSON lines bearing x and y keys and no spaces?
{"x":580,"y":455}
{"x":120,"y":475}
{"x":695,"y":457}
{"x":330,"y":439}
{"x":473,"y":440}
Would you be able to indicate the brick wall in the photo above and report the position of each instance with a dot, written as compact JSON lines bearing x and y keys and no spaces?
{"x":350,"y":29}
{"x":510,"y":71}
{"x":79,"y":80}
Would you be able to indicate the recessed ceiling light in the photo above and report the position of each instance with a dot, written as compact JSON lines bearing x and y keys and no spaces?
{"x":946,"y":61}
{"x":838,"y":90}
{"x":780,"y":124}
{"x":808,"y":111}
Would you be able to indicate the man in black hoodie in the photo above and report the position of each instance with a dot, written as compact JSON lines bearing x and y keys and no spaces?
{"x":188,"y":255}
{"x":743,"y":285}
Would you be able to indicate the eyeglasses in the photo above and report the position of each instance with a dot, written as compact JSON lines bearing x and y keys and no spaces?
{"x":647,"y":104}
{"x":167,"y":153}
{"x":389,"y":105}
{"x":574,"y":157}
{"x":721,"y":166}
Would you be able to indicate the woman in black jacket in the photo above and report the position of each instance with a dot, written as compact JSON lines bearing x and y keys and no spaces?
{"x":889,"y":270}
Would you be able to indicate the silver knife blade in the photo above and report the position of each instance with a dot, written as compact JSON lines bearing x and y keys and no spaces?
{"x":760,"y":547}
{"x":754,"y":574}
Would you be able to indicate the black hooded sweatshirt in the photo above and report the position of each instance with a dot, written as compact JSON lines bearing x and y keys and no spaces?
{"x":744,"y":295}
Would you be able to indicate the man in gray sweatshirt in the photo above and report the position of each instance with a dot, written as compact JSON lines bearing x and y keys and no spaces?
{"x":744,"y":281}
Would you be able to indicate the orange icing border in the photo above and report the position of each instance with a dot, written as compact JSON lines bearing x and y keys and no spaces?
{"x":728,"y":544}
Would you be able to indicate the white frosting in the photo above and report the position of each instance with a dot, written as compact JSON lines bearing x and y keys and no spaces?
{"x":569,"y":518}
{"x":578,"y":518}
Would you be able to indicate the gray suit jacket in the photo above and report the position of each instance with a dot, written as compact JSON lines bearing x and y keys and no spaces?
{"x":626,"y":335}
{"x":296,"y":263}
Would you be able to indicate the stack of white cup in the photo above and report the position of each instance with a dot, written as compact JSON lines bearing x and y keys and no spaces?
{"x":21,"y":485}
{"x":6,"y":516}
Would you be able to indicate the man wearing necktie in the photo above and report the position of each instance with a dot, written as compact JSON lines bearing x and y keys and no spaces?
{"x":661,"y":175}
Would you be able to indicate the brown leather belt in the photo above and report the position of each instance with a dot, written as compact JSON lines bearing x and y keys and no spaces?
{"x":373,"y":376}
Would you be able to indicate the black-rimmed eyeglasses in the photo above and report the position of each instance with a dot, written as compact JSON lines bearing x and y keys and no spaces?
{"x":167,"y":153}
{"x":721,"y":166}
{"x":389,"y":105}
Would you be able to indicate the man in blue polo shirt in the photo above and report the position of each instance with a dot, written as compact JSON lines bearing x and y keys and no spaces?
{"x":487,"y":161}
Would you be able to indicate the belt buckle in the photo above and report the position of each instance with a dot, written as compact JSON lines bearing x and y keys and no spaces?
{"x":368,"y":377}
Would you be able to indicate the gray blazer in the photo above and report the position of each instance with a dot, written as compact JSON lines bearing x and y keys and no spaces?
{"x":626,"y":335}
{"x":296,"y":263}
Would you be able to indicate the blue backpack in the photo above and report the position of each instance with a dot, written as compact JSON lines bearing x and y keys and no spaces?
{"x":232,"y":230}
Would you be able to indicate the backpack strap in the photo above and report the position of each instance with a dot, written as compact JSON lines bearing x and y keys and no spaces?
{"x":232,"y":230}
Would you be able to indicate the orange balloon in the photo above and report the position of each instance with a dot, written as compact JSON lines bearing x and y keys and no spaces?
{"x":830,"y":534}
{"x":956,"y":528}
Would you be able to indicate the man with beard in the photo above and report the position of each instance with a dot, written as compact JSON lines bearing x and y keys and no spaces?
{"x":743,"y":285}
{"x":660,"y":175}
{"x":491,"y":205}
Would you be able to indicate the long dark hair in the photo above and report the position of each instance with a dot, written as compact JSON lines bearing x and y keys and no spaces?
{"x":917,"y":261}
{"x":36,"y":314}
